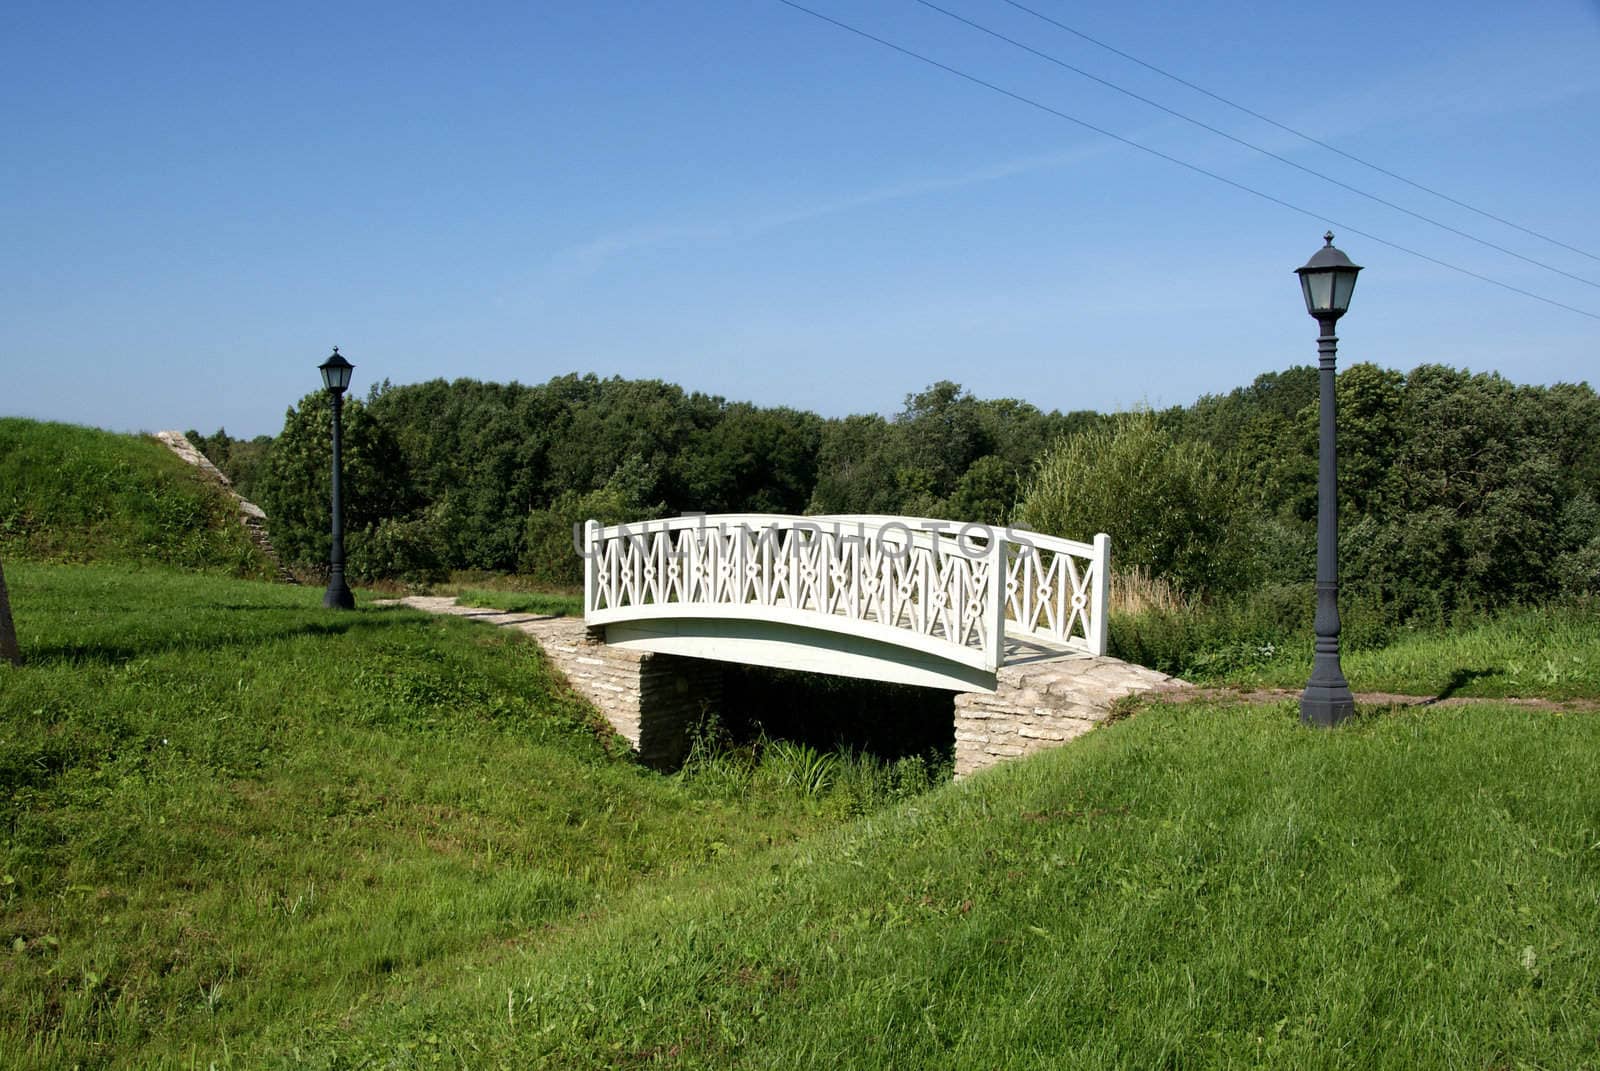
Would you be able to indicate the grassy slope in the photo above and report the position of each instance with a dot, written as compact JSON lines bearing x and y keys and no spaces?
{"x":223,"y":808}
{"x":237,"y":829}
{"x":76,"y":494}
{"x":1195,"y":887}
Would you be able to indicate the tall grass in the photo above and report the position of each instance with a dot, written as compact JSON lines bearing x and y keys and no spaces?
{"x":1137,"y":591}
{"x":1548,"y":652}
{"x":841,"y":781}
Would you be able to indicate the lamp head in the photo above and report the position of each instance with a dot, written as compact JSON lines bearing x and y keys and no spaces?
{"x":1327,"y":280}
{"x":336,"y":373}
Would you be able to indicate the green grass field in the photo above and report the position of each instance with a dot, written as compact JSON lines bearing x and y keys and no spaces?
{"x":1205,"y":887}
{"x":1526,"y":653}
{"x":1522,"y":652}
{"x":523,"y":602}
{"x":240,"y":830}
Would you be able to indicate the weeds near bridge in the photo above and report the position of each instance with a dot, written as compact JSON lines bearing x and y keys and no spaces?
{"x":1136,"y":591}
{"x":1551,"y":652}
{"x":842,"y":781}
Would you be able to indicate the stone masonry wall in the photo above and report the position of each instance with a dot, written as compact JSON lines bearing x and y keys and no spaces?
{"x":1043,"y":704}
{"x":650,"y":699}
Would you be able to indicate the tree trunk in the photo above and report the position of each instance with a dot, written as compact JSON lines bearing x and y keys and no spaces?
{"x":8,"y":630}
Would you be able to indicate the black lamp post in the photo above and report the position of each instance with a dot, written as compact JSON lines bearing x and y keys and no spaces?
{"x":336,"y":378}
{"x":1328,"y":280}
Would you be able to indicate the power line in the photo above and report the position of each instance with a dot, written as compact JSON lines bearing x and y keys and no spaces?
{"x":1249,"y":145}
{"x":1180,"y":162}
{"x":1300,"y":133}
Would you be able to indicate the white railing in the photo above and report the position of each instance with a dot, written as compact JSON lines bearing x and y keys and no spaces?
{"x":1056,"y":589}
{"x":948,"y":589}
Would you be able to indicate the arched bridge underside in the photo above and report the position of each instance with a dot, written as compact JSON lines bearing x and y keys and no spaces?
{"x":905,"y":599}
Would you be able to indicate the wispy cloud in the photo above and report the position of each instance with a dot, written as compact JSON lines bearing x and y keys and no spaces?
{"x":1472,"y":81}
{"x":591,"y":256}
{"x":1484,"y":79}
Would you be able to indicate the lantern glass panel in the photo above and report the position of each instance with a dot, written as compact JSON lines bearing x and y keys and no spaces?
{"x":1318,"y":286}
{"x":1344,"y":284}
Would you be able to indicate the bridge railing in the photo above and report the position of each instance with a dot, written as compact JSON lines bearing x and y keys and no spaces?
{"x":951,"y":590}
{"x":1056,"y":589}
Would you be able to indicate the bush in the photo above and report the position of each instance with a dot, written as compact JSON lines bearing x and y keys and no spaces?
{"x":295,"y":482}
{"x":410,"y":551}
{"x":1173,"y":508}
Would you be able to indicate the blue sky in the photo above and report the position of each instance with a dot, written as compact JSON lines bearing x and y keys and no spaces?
{"x":200,"y":200}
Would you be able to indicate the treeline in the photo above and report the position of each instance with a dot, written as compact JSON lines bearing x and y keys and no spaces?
{"x":1459,"y":493}
{"x":444,"y":476}
{"x":1457,"y":490}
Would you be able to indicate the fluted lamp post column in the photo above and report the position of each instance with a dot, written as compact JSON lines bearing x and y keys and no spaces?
{"x":1328,"y":279}
{"x":336,"y":380}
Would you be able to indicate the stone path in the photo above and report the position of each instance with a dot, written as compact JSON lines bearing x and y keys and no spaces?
{"x":1046,"y":696}
{"x":252,"y":516}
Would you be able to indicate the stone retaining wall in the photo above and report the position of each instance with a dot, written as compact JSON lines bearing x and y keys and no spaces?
{"x":651,"y":700}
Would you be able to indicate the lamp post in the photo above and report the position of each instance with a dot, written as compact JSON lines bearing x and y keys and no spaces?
{"x":336,"y":379}
{"x":1328,"y":279}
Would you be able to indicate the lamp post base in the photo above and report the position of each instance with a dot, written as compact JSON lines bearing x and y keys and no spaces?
{"x":1326,"y":704}
{"x":338,"y":596}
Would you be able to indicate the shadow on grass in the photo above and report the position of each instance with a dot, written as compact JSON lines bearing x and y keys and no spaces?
{"x":1402,"y":704}
{"x":1458,"y":680}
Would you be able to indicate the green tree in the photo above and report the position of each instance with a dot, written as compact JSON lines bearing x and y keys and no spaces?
{"x":986,"y":492}
{"x":856,"y":470}
{"x":941,"y":433}
{"x":1467,"y":514}
{"x":552,"y":537}
{"x":296,"y":481}
{"x":752,"y":460}
{"x":240,"y":460}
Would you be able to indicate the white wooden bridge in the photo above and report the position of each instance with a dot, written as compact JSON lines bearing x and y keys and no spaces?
{"x":906,"y":599}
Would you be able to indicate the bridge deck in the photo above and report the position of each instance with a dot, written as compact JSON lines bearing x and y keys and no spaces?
{"x":778,"y":645}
